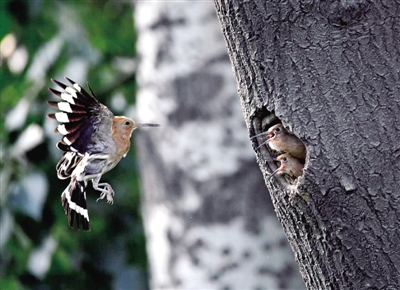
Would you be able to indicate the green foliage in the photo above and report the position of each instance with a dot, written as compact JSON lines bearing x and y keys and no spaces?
{"x":103,"y":35}
{"x":97,"y":33}
{"x":10,"y":95}
{"x":10,"y":283}
{"x":5,"y":21}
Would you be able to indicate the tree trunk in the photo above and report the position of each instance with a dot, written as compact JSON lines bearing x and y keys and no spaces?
{"x":208,"y":217}
{"x":330,"y":73}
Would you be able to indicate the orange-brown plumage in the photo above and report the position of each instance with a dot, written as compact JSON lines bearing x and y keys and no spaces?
{"x":289,"y":165}
{"x":122,"y":129}
{"x":280,"y":139}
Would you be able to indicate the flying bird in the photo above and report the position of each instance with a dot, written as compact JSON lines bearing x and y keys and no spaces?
{"x":94,"y":141}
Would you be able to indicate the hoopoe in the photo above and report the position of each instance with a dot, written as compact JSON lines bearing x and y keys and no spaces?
{"x":281,"y":140}
{"x":289,"y":165}
{"x":94,"y":142}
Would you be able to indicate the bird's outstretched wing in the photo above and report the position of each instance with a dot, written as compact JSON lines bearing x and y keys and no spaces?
{"x":81,"y":118}
{"x":77,"y":116}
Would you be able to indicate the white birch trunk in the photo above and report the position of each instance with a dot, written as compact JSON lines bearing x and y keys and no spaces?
{"x":207,"y":213}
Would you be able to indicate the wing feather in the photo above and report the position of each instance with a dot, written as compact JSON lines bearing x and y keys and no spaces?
{"x":80,"y":113}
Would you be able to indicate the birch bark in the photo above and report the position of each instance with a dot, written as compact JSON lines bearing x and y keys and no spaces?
{"x":208,"y":217}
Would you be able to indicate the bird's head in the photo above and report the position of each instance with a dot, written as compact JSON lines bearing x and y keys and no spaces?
{"x":275,"y":131}
{"x":289,"y":165}
{"x":285,"y":160}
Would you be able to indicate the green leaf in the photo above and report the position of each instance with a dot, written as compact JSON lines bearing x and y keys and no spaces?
{"x":10,"y":283}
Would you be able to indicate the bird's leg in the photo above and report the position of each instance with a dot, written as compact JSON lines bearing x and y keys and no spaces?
{"x":105,"y":188}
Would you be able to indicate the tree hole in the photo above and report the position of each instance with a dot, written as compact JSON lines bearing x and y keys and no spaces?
{"x":283,"y":152}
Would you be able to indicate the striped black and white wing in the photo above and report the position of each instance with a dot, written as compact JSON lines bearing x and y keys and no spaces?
{"x":80,"y":115}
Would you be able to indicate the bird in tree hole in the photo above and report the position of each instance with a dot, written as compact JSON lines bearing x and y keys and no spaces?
{"x":289,"y":165}
{"x":279,"y":139}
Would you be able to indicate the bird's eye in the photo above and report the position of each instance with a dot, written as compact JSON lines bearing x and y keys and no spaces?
{"x":127,"y":123}
{"x":284,"y":159}
{"x":277,"y":129}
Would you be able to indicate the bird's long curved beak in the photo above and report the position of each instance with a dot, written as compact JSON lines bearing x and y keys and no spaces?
{"x":270,"y":135}
{"x":258,"y":135}
{"x":273,"y":173}
{"x":138,"y":125}
{"x":262,"y":144}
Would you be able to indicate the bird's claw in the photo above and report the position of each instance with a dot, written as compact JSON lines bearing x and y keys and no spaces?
{"x":108,"y":193}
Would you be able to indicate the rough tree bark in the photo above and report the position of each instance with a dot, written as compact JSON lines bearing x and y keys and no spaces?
{"x":208,"y":217}
{"x":330,"y":72}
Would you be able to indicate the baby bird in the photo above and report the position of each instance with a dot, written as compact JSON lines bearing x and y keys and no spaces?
{"x":289,"y":165}
{"x":281,"y":140}
{"x":94,"y":142}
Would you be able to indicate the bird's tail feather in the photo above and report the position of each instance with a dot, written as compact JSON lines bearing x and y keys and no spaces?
{"x":73,"y":200}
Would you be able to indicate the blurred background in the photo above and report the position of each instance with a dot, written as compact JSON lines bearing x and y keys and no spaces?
{"x":52,"y":39}
{"x":200,"y":217}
